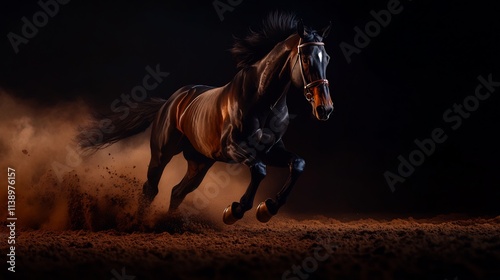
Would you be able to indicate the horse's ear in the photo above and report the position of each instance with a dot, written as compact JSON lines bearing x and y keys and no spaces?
{"x":300,"y":29}
{"x":325,"y":31}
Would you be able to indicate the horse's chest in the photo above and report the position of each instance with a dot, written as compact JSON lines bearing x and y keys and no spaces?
{"x":264,"y":138}
{"x":272,"y":132}
{"x":257,"y":137}
{"x":269,"y":131}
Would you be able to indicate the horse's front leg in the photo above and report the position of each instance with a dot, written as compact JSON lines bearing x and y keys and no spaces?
{"x":235,"y":211}
{"x":280,"y":157}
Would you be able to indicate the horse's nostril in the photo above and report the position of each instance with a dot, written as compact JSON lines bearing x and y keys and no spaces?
{"x":321,"y":110}
{"x":324,"y":111}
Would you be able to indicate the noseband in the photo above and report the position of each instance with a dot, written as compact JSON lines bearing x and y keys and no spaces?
{"x":307,"y":86}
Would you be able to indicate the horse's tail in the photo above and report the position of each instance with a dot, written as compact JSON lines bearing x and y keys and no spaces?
{"x":105,"y":130}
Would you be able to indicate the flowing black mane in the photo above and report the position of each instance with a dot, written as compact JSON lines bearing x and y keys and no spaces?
{"x":276,"y":27}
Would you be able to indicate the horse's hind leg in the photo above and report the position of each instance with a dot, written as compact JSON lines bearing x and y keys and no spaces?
{"x":150,"y":188}
{"x":156,"y":166}
{"x":166,"y":142}
{"x":198,"y":165}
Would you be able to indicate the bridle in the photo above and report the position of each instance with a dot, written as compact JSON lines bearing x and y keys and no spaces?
{"x":307,"y":86}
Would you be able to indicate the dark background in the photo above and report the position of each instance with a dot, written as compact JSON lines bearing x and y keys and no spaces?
{"x":394,"y":91}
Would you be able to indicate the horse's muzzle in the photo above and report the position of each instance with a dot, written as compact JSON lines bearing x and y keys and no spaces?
{"x":323,"y":112}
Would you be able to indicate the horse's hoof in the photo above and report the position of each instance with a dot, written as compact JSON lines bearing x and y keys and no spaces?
{"x":263,"y":213}
{"x":228,"y":216}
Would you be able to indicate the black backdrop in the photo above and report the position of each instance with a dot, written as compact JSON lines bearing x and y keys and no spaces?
{"x":393,"y":91}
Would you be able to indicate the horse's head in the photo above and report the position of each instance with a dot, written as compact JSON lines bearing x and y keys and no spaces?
{"x":309,"y":70}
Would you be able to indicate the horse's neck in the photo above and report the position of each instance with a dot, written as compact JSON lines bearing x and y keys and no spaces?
{"x":273,"y":71}
{"x":266,"y":82}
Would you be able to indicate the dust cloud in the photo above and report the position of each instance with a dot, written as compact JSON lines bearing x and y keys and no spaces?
{"x":58,"y":187}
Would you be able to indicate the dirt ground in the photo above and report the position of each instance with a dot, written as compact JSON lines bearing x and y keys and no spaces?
{"x":285,"y":248}
{"x":83,"y":225}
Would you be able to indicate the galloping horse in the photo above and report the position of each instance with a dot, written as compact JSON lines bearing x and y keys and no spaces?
{"x":241,"y":122}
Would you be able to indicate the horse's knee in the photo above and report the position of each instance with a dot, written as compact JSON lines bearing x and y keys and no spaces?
{"x":259,"y":171}
{"x":297,"y":165}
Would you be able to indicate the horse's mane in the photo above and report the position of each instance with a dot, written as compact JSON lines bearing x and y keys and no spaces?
{"x":276,"y":27}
